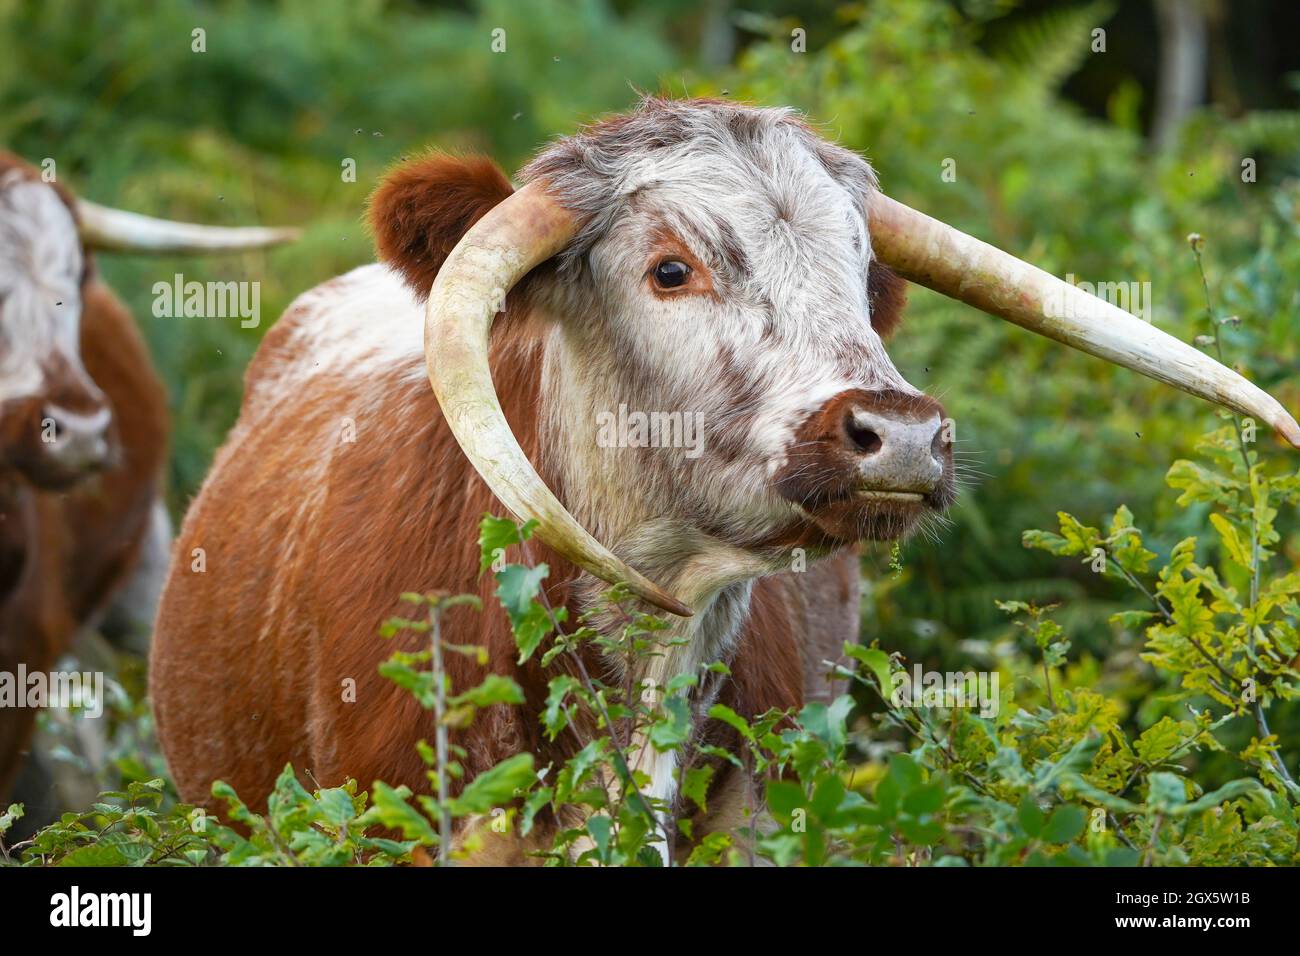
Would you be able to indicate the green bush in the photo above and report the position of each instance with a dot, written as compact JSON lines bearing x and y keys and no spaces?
{"x":1048,"y":777}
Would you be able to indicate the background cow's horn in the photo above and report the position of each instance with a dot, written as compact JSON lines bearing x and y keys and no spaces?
{"x":526,"y":229}
{"x":935,"y":255}
{"x":114,"y":230}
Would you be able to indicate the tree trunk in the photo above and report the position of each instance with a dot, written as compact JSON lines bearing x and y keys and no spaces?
{"x":1183,"y":48}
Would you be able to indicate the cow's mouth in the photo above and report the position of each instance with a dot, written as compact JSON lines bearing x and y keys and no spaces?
{"x":834,"y":518}
{"x":870,"y":516}
{"x":50,"y":474}
{"x":814,"y":502}
{"x":874,"y":494}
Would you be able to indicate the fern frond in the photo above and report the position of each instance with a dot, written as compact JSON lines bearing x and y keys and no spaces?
{"x":1049,"y":47}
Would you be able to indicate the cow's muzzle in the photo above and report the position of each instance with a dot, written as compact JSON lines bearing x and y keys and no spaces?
{"x":76,"y":443}
{"x":867,"y":464}
{"x":61,"y":437}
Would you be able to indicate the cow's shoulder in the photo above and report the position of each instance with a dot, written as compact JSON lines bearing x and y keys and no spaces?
{"x":360,"y":325}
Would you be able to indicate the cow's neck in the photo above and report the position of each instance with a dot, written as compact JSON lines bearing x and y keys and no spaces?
{"x":616,"y":494}
{"x":611,"y":492}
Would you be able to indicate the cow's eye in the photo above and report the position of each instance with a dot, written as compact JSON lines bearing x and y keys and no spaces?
{"x":671,"y":273}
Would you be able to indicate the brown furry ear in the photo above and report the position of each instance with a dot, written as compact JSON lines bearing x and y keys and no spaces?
{"x":887,"y":294}
{"x":423,"y":207}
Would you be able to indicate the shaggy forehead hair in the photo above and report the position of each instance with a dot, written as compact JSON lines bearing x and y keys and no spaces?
{"x":606,"y":165}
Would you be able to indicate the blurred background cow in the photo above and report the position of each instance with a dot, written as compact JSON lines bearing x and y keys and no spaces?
{"x":84,"y":536}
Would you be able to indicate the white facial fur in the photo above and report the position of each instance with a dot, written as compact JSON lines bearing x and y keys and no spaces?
{"x":777,"y":217}
{"x":40,"y":278}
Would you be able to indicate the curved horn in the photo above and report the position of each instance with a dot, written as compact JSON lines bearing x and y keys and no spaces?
{"x":117,"y":231}
{"x":935,"y":255}
{"x":526,"y":229}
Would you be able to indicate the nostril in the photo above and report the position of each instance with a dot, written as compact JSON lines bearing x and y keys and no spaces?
{"x":52,"y":426}
{"x":939,"y":446}
{"x":861,"y":437}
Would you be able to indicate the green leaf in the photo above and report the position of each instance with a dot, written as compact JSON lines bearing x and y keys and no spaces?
{"x":1236,"y":548}
{"x":925,"y":799}
{"x":497,"y":534}
{"x":905,"y":772}
{"x":7,"y":818}
{"x":1166,"y":792}
{"x":709,"y":851}
{"x":531,"y":629}
{"x":1064,"y":824}
{"x":599,"y":828}
{"x":1080,"y":538}
{"x":1199,"y":484}
{"x":517,"y":586}
{"x":826,"y":797}
{"x":555,"y":713}
{"x":695,"y":786}
{"x":784,"y":797}
{"x":1131,"y":620}
{"x":1030,"y":816}
{"x":732,"y":719}
{"x":876,"y":661}
{"x":536,"y":802}
{"x":336,"y":806}
{"x":828,"y":723}
{"x":1159,"y":741}
{"x":920,"y":833}
{"x":1109,"y":801}
{"x":113,"y":849}
{"x":673,"y":727}
{"x":1228,"y":791}
{"x":389,"y":808}
{"x":495,"y":787}
{"x":1042,"y":541}
{"x":495,"y":689}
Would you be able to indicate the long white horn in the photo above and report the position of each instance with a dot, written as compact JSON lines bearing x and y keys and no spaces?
{"x":934,"y":254}
{"x":526,"y":229}
{"x":114,"y":230}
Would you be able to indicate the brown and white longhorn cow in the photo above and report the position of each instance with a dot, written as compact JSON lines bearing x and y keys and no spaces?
{"x":83,"y":425}
{"x":692,"y":257}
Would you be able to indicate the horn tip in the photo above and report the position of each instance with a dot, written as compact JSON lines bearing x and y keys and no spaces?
{"x":1289,"y":430}
{"x":668,"y":603}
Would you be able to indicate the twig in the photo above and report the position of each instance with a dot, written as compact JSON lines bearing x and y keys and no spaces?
{"x":440,"y":734}
{"x":1257,"y":707}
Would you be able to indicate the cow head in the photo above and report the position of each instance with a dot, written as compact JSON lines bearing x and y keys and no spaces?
{"x":55,"y":423}
{"x":729,"y":266}
{"x":724,"y":274}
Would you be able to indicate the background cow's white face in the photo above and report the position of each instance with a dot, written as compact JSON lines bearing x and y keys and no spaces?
{"x":723,"y":274}
{"x":54,"y":421}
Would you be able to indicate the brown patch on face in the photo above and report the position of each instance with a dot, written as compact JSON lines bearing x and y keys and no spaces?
{"x":728,"y":438}
{"x":887,"y":294}
{"x":667,"y":246}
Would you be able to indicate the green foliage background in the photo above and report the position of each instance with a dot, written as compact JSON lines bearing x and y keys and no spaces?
{"x":255,"y":130}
